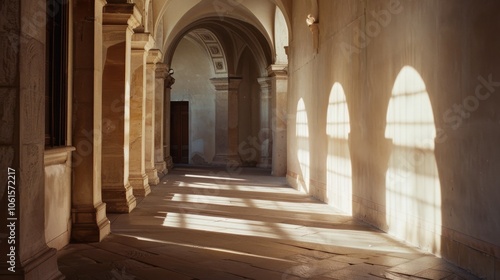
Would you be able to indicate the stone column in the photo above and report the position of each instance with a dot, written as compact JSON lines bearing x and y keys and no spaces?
{"x":90,"y":223}
{"x":265,"y":122}
{"x":141,"y":43}
{"x":119,"y":20}
{"x":22,"y":93}
{"x":169,"y":81}
{"x":226,"y":121}
{"x":279,"y":93}
{"x":160,"y":76}
{"x":153,"y":57}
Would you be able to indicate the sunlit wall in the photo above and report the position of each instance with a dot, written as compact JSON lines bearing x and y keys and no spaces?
{"x":339,"y":170}
{"x":303,"y":155}
{"x":413,"y":193}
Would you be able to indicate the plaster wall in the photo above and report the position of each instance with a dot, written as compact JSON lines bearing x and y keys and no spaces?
{"x":450,"y":192}
{"x":57,"y":198}
{"x":193,"y":71}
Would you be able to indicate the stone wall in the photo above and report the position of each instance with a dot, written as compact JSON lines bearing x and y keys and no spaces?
{"x":420,"y":82}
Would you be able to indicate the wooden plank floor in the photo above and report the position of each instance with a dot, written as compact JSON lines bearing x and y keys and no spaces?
{"x":201,"y":223}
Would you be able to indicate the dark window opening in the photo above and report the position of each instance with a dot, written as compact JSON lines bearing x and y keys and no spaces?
{"x":56,"y":94}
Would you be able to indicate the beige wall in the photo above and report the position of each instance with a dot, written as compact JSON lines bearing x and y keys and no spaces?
{"x":58,"y":197}
{"x":429,"y":175}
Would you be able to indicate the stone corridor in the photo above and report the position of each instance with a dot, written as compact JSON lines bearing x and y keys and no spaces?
{"x":202,"y":223}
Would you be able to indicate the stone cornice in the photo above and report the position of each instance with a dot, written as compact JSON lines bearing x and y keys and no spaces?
{"x":265,"y":82}
{"x":122,"y":14}
{"x":234,"y":83}
{"x":154,"y":56}
{"x":276,"y":70}
{"x":142,"y":41}
{"x":161,"y":71}
{"x":220,"y":84}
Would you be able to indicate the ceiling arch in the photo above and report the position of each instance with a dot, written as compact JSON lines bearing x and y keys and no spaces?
{"x":171,"y":17}
{"x":229,"y":33}
{"x":210,"y":42}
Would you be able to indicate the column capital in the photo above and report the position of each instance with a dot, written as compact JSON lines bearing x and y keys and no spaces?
{"x":122,"y":14}
{"x":220,"y":84}
{"x":161,"y":71}
{"x":154,"y":56}
{"x":265,"y":82}
{"x":277,"y":70}
{"x":234,"y":83}
{"x":142,"y":41}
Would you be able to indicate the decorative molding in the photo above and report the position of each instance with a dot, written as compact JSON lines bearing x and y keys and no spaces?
{"x":277,"y":70}
{"x":154,"y":56}
{"x":57,"y":155}
{"x":213,"y":47}
{"x":122,"y":14}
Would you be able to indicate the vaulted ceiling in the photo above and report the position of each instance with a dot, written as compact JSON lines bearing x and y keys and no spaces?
{"x":170,"y":20}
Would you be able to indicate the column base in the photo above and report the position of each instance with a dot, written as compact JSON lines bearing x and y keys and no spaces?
{"x":170,"y":163}
{"x":139,"y":183}
{"x":119,"y":200}
{"x":89,"y":224}
{"x":153,"y":178}
{"x":42,"y":265}
{"x":233,"y":160}
{"x":161,"y":167}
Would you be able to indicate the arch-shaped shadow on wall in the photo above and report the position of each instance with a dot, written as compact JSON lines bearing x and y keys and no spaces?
{"x":339,"y":169}
{"x":413,"y":192}
{"x":303,"y":154}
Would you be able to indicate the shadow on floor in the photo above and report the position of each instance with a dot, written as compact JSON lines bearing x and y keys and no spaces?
{"x":202,"y":223}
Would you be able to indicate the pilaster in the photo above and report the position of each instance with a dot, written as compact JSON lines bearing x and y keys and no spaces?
{"x":161,"y":73}
{"x":169,"y":81}
{"x":89,"y":221}
{"x":141,"y":43}
{"x":119,"y":20}
{"x":226,"y":121}
{"x":279,"y":92}
{"x":22,"y":93}
{"x":153,"y":57}
{"x":265,"y":134}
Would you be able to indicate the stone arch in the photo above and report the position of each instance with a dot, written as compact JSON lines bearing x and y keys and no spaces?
{"x":413,"y":191}
{"x":229,"y":29}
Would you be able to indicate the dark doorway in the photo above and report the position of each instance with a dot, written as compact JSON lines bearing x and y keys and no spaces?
{"x":179,"y":134}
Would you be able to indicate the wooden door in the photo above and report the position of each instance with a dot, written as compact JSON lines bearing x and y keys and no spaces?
{"x":179,"y":133}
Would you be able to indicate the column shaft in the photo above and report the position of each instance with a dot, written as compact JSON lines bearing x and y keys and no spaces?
{"x":153,"y":57}
{"x":279,"y":118}
{"x":226,"y":121}
{"x":22,"y":94}
{"x":138,"y":178}
{"x":169,"y":81}
{"x":118,"y":23}
{"x":265,"y":134}
{"x":161,"y":74}
{"x":90,"y":223}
